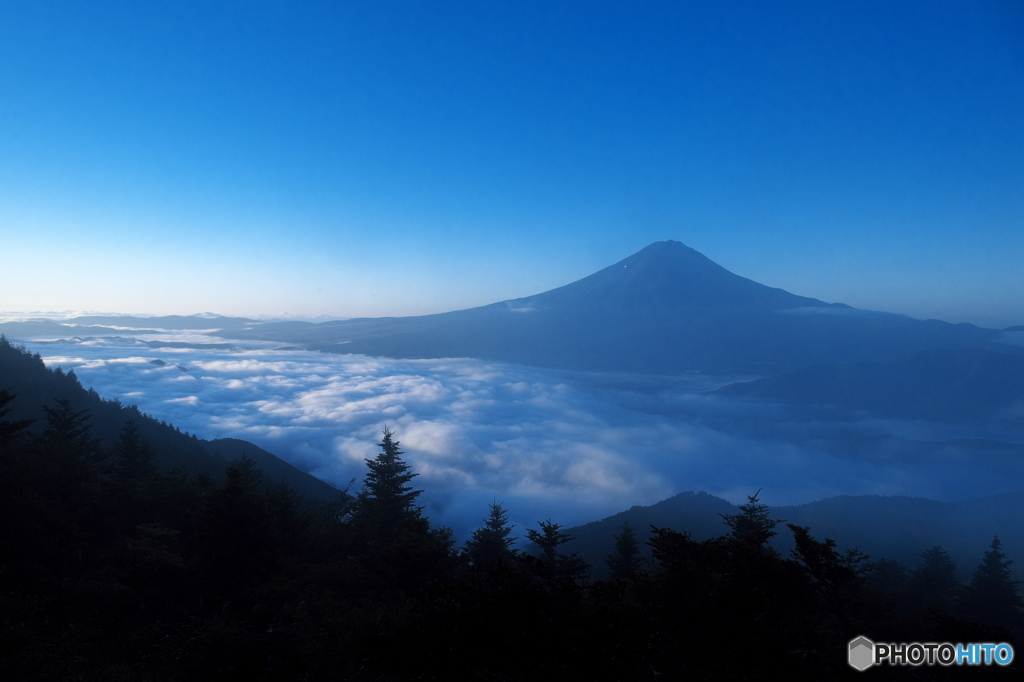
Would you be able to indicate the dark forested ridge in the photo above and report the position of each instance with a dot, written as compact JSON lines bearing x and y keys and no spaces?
{"x":38,"y":387}
{"x":113,"y":567}
{"x":896,"y":528}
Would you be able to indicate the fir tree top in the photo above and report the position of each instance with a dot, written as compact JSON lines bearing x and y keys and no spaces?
{"x":387,"y":498}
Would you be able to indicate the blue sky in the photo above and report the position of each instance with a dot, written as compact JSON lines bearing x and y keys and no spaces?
{"x":410,"y":157}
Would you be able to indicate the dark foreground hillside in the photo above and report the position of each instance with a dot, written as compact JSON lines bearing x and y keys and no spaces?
{"x":114,"y":568}
{"x":37,"y":388}
{"x":894,"y":528}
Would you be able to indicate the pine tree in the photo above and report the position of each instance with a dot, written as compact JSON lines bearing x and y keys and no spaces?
{"x":492,"y":544}
{"x":890,"y":577}
{"x":552,"y":564}
{"x":64,"y":458}
{"x":66,"y":436}
{"x":133,"y":457}
{"x":838,"y":578}
{"x":625,"y":563}
{"x":933,"y":583}
{"x":752,"y":527}
{"x":387,"y":502}
{"x":392,"y":544}
{"x":10,"y":429}
{"x":991,"y":596}
{"x":236,"y":530}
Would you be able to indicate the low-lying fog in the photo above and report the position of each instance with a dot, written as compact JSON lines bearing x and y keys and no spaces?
{"x":572,"y":447}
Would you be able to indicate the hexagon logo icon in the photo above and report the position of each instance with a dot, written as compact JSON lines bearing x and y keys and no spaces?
{"x":862,"y":653}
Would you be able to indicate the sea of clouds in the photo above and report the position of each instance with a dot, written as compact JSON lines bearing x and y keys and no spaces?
{"x":573,"y":447}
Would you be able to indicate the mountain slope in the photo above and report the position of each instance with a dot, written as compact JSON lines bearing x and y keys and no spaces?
{"x":938,"y":385}
{"x":892,"y":527}
{"x":665,"y":277}
{"x":665,"y":309}
{"x":34,"y":386}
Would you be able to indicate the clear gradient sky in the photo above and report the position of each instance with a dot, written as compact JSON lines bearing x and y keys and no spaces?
{"x":391,"y":158}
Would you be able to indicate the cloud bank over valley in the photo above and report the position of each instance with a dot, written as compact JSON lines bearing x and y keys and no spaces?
{"x":570,"y":446}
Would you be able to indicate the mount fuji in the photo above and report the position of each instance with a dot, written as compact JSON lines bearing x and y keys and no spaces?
{"x":667,"y":309}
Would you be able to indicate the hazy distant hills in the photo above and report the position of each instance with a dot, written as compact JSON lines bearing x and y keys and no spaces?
{"x":103,"y":325}
{"x":53,"y":328}
{"x":963,"y":528}
{"x":182,"y":322}
{"x":938,"y":385}
{"x":665,"y":309}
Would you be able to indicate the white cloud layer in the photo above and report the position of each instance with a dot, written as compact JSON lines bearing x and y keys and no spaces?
{"x":569,"y":446}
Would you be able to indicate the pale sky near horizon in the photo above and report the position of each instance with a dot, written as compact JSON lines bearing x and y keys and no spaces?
{"x":394,"y":158}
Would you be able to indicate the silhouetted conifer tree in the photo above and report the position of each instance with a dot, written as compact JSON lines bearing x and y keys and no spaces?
{"x":991,"y":596}
{"x":133,"y":457}
{"x":752,"y":527}
{"x":625,"y":563}
{"x":838,"y":577}
{"x":387,"y":502}
{"x":290,"y":520}
{"x":889,"y":576}
{"x":553,"y":564}
{"x":236,"y":526}
{"x":10,"y":428}
{"x":66,"y":436}
{"x":393,"y":543}
{"x":492,"y":544}
{"x":933,"y":583}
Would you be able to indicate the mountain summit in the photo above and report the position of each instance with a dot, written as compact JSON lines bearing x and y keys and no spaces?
{"x":666,"y":309}
{"x":668,"y":276}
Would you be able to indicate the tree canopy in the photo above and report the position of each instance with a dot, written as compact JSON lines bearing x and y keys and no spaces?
{"x":492,"y":544}
{"x":387,"y":502}
{"x":992,"y":592}
{"x":625,"y":563}
{"x":552,"y":563}
{"x":752,"y":527}
{"x":113,"y":571}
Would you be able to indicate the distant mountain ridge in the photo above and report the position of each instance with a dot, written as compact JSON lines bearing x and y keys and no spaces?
{"x":938,"y":385}
{"x":666,"y":309}
{"x":104,"y":325}
{"x":964,"y":528}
